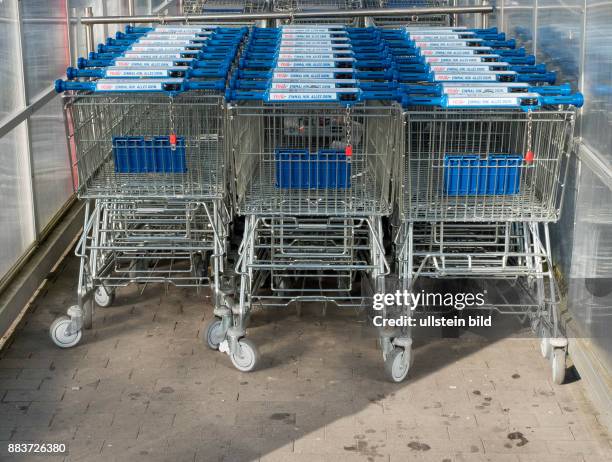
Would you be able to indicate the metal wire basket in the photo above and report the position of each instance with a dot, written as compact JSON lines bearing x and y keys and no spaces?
{"x":122,"y":148}
{"x":153,"y":241}
{"x":482,"y":165}
{"x":314,"y":159}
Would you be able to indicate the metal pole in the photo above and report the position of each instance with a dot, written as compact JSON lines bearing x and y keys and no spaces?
{"x":484,"y":17}
{"x":478,"y":19}
{"x":131,"y":10}
{"x":454,"y":17}
{"x":89,"y":39}
{"x":384,"y":12}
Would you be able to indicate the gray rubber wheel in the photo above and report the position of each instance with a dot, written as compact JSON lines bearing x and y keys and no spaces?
{"x":59,"y":335}
{"x":558,"y":365}
{"x":88,"y":308}
{"x":103,"y":297}
{"x":213,"y":334}
{"x":545,"y":347}
{"x":246,"y":357}
{"x":397,"y":364}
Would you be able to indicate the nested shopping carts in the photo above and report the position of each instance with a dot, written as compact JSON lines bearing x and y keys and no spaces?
{"x":146,"y":126}
{"x":313,"y":149}
{"x":483,"y":174}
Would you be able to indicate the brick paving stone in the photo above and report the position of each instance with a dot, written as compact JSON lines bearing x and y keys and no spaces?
{"x":142,"y":386}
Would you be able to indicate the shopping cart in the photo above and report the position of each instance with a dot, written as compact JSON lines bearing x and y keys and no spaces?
{"x":398,"y":21}
{"x":482,"y":176}
{"x":149,"y":155}
{"x":313,"y":149}
{"x":313,"y":213}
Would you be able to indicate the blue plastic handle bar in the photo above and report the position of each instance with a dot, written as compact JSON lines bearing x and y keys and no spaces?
{"x":529,"y":69}
{"x":241,"y":95}
{"x":170,"y":87}
{"x":412,"y":89}
{"x":386,"y":74}
{"x":204,"y":56}
{"x":247,"y":84}
{"x":185,"y":72}
{"x":438,"y":89}
{"x":576,"y":100}
{"x":527,"y":60}
{"x":548,"y":77}
{"x":512,"y":52}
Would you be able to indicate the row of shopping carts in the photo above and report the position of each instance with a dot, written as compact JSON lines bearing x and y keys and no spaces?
{"x":145,"y":120}
{"x":352,"y":159}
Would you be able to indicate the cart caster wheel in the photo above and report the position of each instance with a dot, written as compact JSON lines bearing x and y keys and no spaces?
{"x":213,"y":334}
{"x":558,"y":365}
{"x":88,"y":314}
{"x":246,"y":357}
{"x":59,"y":335}
{"x":397,"y":364}
{"x":545,"y":346}
{"x":103,"y":297}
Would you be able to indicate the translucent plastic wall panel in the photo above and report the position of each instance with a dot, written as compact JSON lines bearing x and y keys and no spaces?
{"x":16,"y":232}
{"x":10,"y":74}
{"x":469,"y":20}
{"x":52,"y":178}
{"x":597,"y":118}
{"x":45,"y":46}
{"x":590,"y":290}
{"x":518,"y":23}
{"x":560,"y":35}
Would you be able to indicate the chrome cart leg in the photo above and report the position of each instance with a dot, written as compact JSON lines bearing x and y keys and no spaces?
{"x":558,"y":341}
{"x":66,"y":331}
{"x":242,"y":351}
{"x":397,"y":344}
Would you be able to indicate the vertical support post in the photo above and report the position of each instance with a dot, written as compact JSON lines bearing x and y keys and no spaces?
{"x":28,"y":162}
{"x":89,"y":39}
{"x":454,"y":16}
{"x":478,"y":20}
{"x":485,"y":16}
{"x":131,"y":9}
{"x":70,"y":36}
{"x":535,"y":29}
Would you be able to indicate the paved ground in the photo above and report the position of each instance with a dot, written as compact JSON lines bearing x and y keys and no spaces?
{"x":141,"y":386}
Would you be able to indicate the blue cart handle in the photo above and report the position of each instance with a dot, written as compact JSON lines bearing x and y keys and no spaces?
{"x":514,"y":52}
{"x":205,"y":84}
{"x":433,"y":90}
{"x":564,"y":89}
{"x":411,"y":100}
{"x":74,"y":73}
{"x":415,"y":77}
{"x":529,"y":69}
{"x":548,"y":77}
{"x":577,"y":100}
{"x":386,"y":95}
{"x":241,"y":95}
{"x":526,"y":60}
